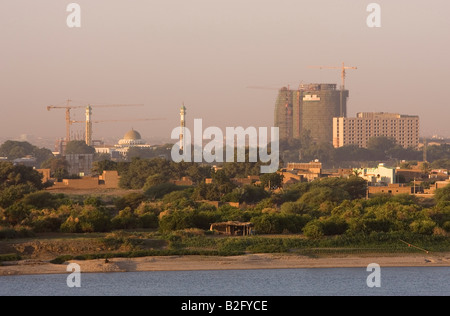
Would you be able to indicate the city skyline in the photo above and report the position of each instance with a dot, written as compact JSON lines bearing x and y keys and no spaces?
{"x":206,"y":55}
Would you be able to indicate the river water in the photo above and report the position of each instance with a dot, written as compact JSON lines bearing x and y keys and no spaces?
{"x":402,"y":281}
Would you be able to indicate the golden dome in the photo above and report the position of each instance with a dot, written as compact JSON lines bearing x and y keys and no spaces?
{"x":132,"y":135}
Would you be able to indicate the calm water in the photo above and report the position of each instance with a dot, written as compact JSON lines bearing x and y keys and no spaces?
{"x":271,"y":282}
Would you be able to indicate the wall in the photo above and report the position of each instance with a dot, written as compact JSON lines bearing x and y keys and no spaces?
{"x":110,"y":179}
{"x":391,"y":189}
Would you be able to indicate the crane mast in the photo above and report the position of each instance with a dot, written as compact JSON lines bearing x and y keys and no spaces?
{"x":343,"y":69}
{"x":88,"y":108}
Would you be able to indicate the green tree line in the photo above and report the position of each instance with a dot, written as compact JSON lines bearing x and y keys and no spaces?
{"x":326,"y":207}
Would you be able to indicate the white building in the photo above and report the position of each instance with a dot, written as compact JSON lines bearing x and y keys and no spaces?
{"x":377,"y":176}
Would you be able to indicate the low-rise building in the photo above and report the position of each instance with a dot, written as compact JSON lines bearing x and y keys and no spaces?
{"x":299,"y":172}
{"x":183,"y":181}
{"x":441,"y":184}
{"x":408,"y":175}
{"x":380,"y":175}
{"x":394,"y":189}
{"x":108,"y":180}
{"x":439,"y":174}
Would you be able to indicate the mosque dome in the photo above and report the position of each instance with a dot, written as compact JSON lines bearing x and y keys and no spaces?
{"x":131,"y":138}
{"x":132,"y":135}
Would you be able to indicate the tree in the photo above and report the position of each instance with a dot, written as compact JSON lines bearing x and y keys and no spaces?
{"x":423,"y":226}
{"x":13,"y":194}
{"x":58,"y":167}
{"x":355,"y":186}
{"x":155,"y":179}
{"x":442,"y":195}
{"x":159,"y":190}
{"x":103,"y":165}
{"x":198,"y":173}
{"x":271,"y":180}
{"x":441,"y":164}
{"x":322,"y":151}
{"x":11,"y":175}
{"x":318,"y":195}
{"x":78,"y":147}
{"x":352,"y":153}
{"x":221,"y":182}
{"x":15,"y":149}
{"x":314,"y":229}
{"x":381,"y":144}
{"x":135,"y":175}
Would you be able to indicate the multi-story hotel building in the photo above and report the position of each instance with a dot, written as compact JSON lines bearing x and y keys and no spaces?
{"x":358,"y":130}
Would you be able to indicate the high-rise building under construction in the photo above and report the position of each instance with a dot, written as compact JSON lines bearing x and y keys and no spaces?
{"x":310,"y":108}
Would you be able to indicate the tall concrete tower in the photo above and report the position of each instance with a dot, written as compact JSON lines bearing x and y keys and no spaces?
{"x":182,"y":125}
{"x":309,"y":108}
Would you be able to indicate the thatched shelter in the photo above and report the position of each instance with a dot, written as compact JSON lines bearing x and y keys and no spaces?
{"x":233,"y":228}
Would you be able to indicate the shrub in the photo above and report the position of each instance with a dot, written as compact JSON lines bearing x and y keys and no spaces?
{"x":334,"y":226}
{"x":313,"y":230}
{"x":71,"y":225}
{"x":293,"y":208}
{"x":424,"y":226}
{"x":159,"y":190}
{"x":176,"y":220}
{"x":272,"y":223}
{"x":87,"y":219}
{"x":16,"y":232}
{"x":376,"y":225}
{"x":126,"y":219}
{"x":446,"y":226}
{"x":319,"y":195}
{"x":132,"y":200}
{"x":10,"y":257}
{"x":93,"y":201}
{"x":46,"y":223}
{"x":148,"y":220}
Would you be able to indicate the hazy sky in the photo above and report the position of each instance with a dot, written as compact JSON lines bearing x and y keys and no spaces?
{"x":206,"y":53}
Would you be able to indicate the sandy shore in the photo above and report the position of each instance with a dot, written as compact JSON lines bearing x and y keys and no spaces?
{"x":251,"y":261}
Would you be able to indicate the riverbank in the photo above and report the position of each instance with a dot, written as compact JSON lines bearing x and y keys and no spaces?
{"x":243,"y":262}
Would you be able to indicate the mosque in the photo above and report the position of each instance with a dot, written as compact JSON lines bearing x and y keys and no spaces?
{"x":131,"y":139}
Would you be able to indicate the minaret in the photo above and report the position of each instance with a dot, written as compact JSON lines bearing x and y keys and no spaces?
{"x":182,"y":125}
{"x":88,"y":125}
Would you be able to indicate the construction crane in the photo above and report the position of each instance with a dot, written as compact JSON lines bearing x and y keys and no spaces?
{"x":343,"y":68}
{"x":89,"y":123}
{"x":69,"y":107}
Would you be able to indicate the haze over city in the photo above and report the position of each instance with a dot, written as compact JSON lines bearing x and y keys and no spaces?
{"x":207,"y":53}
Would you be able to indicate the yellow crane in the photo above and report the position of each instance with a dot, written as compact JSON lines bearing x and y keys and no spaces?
{"x":69,"y":107}
{"x":343,"y":69}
